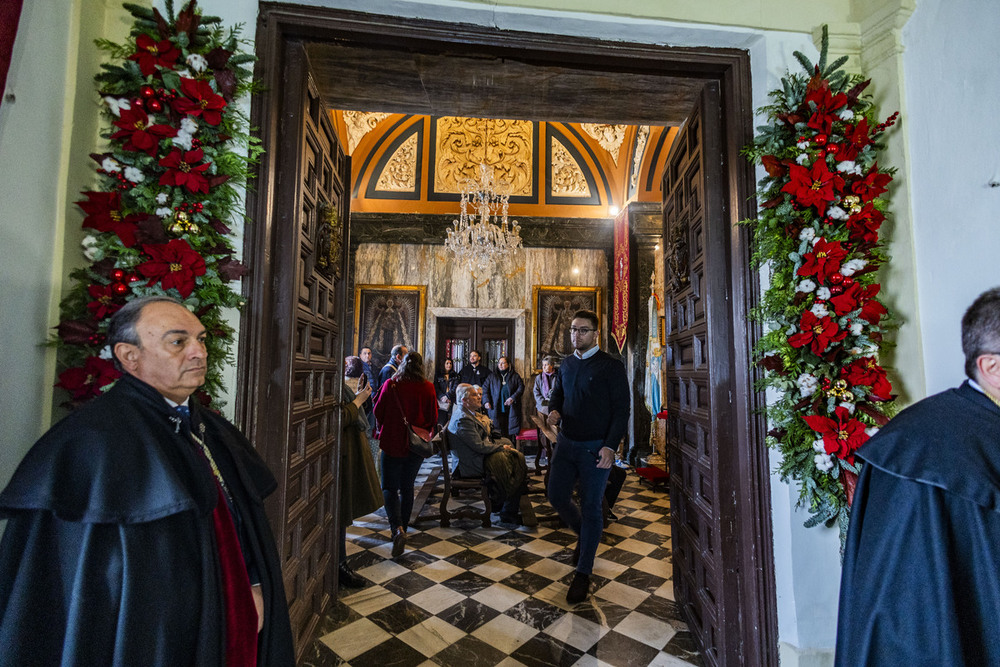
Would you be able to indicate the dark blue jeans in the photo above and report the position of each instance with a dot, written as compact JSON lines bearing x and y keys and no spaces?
{"x":398,"y":477}
{"x":575,"y":462}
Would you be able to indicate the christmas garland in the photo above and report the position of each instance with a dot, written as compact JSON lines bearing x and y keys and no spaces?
{"x":818,"y":232}
{"x":178,"y":155}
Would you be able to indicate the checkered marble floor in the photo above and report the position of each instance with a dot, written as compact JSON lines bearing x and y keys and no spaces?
{"x":469,"y":596}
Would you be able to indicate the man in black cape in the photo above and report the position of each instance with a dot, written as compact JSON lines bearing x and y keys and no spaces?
{"x":921,"y":576}
{"x":136,"y":533}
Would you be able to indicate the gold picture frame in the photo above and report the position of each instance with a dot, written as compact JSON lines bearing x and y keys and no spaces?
{"x":387,"y":315}
{"x":552,"y":308}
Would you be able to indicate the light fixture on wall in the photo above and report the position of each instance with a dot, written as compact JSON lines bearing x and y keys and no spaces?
{"x":482,"y":238}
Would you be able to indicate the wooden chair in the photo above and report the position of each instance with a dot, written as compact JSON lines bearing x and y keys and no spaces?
{"x":453,"y":484}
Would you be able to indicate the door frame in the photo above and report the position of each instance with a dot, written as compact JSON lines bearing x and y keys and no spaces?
{"x":280,"y":24}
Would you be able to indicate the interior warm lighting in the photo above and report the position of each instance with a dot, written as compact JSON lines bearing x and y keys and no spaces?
{"x":613,"y":211}
{"x":576,"y":270}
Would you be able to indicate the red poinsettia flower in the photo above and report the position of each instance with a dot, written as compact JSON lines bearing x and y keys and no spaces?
{"x":826,"y":103}
{"x":824,"y":259}
{"x":867,"y":372}
{"x":817,"y":333}
{"x":185,"y":168}
{"x":863,"y":226}
{"x":200,"y":100}
{"x":86,"y":382}
{"x":857,"y":137}
{"x":104,"y":214}
{"x":138,"y":134}
{"x":105,"y":301}
{"x":872,"y":185}
{"x":842,"y":435}
{"x":855,"y":297}
{"x":173,"y":264}
{"x":150,"y":53}
{"x":813,"y":187}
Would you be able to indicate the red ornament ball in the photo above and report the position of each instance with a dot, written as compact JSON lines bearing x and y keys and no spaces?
{"x":120,"y":288}
{"x":820,"y":139}
{"x":154,"y":105}
{"x":147,"y":91}
{"x":138,"y":103}
{"x":836,"y":289}
{"x":832,"y":149}
{"x":134,"y":278}
{"x":117,"y":274}
{"x":836,"y":278}
{"x":848,"y":281}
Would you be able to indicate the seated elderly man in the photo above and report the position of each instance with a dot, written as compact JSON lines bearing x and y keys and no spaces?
{"x":471,"y":439}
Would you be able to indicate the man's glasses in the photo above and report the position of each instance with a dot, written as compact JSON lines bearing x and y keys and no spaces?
{"x":581,"y":330}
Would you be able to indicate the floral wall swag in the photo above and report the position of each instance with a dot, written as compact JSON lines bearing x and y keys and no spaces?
{"x":818,"y":232}
{"x":178,"y":154}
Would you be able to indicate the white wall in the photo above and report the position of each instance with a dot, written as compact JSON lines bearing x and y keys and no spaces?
{"x":952,"y":91}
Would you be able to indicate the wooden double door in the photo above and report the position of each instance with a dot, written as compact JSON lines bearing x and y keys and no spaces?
{"x":457,"y":337}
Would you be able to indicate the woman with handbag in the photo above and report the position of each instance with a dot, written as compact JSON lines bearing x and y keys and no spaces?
{"x":406,"y":403}
{"x":444,"y":385}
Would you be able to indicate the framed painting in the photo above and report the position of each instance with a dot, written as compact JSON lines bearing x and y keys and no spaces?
{"x":386,"y":316}
{"x":552,"y":309}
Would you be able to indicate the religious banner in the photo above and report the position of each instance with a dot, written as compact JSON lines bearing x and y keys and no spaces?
{"x":619,"y":304}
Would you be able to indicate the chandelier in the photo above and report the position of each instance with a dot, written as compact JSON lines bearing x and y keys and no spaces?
{"x":482,"y":238}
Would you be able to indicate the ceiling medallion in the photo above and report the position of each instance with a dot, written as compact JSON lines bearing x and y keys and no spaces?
{"x":481,"y":238}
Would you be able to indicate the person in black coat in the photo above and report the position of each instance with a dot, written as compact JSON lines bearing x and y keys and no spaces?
{"x":136,"y":531}
{"x":474,"y":372}
{"x":502,"y":399}
{"x":444,"y":387}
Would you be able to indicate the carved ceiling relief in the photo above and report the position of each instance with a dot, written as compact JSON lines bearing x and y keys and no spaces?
{"x":360,"y":123}
{"x":610,"y":137}
{"x":400,"y":173}
{"x":465,"y":143}
{"x":568,"y":179}
{"x":642,"y":136}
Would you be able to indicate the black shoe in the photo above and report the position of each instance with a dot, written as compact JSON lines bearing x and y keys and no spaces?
{"x":398,"y":541}
{"x":575,"y":560}
{"x":509,"y":520}
{"x":578,"y":589}
{"x":348,"y":578}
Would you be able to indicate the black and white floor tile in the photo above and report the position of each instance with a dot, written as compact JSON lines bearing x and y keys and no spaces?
{"x":470,"y":596}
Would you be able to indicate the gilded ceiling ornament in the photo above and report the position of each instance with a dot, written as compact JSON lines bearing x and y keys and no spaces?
{"x":568,"y":179}
{"x":465,"y":143}
{"x":641,"y":137}
{"x":400,"y":173}
{"x":610,"y":137}
{"x":360,"y":123}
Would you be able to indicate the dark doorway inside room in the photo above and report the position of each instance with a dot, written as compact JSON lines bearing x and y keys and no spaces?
{"x":294,"y":334}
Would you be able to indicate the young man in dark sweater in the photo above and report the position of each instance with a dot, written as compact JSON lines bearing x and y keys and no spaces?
{"x":591,"y":400}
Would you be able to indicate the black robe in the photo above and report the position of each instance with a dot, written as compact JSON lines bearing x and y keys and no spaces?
{"x":109,"y":556}
{"x":921,"y":576}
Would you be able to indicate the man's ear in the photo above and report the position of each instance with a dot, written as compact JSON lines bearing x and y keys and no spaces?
{"x":128,"y":355}
{"x":988,"y":366}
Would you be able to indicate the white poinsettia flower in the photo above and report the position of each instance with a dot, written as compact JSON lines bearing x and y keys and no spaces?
{"x":164,"y":211}
{"x":184,"y":74}
{"x":807,"y":234}
{"x":807,"y":384}
{"x":117,"y":104}
{"x":823,"y":293}
{"x":856,"y":351}
{"x":849,"y":167}
{"x":824,"y":462}
{"x":802,"y":145}
{"x":183,"y":139}
{"x":111,"y":165}
{"x":847,"y":405}
{"x":161,"y":198}
{"x":845,"y":114}
{"x":93,"y":253}
{"x":870,"y":432}
{"x":819,"y":446}
{"x":801,"y":158}
{"x":837,"y":213}
{"x":819,"y":310}
{"x":805,"y":286}
{"x":852,"y":266}
{"x":106,"y":353}
{"x":189,"y":126}
{"x":857,"y":328}
{"x":89,"y":241}
{"x":197,"y":62}
{"x":134,"y":175}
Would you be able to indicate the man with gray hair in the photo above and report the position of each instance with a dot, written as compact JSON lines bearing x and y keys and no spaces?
{"x":136,"y":532}
{"x":921,"y":575}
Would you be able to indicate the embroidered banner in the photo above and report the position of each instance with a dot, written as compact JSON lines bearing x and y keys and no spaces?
{"x":619,"y":311}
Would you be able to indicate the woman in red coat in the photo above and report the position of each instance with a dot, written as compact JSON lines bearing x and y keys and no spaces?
{"x":409,"y":393}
